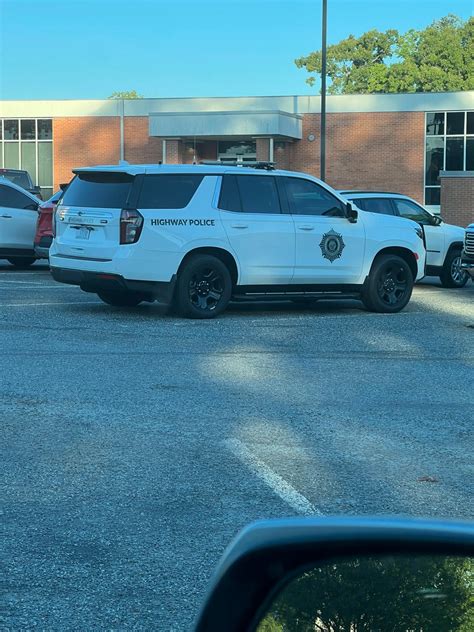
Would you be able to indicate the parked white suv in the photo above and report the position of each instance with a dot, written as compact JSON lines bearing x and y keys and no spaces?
{"x":200,"y":235}
{"x":18,"y":217}
{"x":443,"y":241}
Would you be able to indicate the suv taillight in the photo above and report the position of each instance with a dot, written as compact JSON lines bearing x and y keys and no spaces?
{"x":131,"y":224}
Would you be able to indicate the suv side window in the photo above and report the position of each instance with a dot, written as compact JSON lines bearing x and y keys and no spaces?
{"x":375,"y":205}
{"x":168,"y":190}
{"x":11,"y":198}
{"x":410,"y":210}
{"x":229,"y":199}
{"x":249,"y":194}
{"x":308,"y":198}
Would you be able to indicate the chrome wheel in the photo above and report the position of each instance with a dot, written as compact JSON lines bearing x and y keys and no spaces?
{"x":458,"y":275}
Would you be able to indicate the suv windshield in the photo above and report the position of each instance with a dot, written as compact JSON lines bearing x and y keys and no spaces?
{"x":20,"y":178}
{"x":99,"y":190}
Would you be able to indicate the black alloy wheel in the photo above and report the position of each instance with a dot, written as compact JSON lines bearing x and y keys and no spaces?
{"x":206,"y":287}
{"x":389,"y":285}
{"x":203,"y":288}
{"x":393,"y":284}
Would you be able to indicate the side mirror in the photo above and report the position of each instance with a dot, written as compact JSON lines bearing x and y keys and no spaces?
{"x":351,"y":213}
{"x":314,"y":573}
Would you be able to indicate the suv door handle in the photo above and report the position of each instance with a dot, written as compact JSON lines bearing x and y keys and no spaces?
{"x":239,"y":225}
{"x":6,"y":216}
{"x":306,"y":227}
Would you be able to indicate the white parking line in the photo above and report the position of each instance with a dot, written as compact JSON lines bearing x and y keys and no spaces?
{"x":277,"y":484}
{"x":37,"y":286}
{"x":43,"y":304}
{"x":21,"y":282}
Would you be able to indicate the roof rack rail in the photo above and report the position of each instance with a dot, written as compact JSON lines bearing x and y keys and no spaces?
{"x":375,"y":192}
{"x":255,"y":164}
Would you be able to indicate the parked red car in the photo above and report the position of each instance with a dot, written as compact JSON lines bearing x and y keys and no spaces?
{"x":44,"y":226}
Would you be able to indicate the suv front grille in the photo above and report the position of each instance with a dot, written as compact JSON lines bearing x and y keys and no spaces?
{"x":469,"y":243}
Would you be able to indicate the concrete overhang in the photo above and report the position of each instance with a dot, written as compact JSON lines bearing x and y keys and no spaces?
{"x":250,"y":123}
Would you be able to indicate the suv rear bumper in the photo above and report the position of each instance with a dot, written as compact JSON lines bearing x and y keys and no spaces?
{"x":103,"y":281}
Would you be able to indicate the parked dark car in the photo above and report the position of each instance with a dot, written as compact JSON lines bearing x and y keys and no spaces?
{"x":44,"y":226}
{"x":23,"y":179}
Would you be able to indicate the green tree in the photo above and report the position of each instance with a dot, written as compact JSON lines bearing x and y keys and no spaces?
{"x":130,"y":94}
{"x":383,"y":594}
{"x":438,"y":58}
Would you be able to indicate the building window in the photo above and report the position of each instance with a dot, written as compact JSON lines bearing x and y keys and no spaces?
{"x":449,"y":146}
{"x":28,"y":144}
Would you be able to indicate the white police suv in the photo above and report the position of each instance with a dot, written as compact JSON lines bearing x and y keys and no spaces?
{"x":443,"y":241}
{"x":198,"y":236}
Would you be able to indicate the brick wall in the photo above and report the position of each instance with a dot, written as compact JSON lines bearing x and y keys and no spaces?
{"x":139,"y":147}
{"x":174,"y":152}
{"x":364,"y":150}
{"x":457,"y":197}
{"x":82,"y":142}
{"x":263,"y":149}
{"x":383,"y":150}
{"x":281,"y":155}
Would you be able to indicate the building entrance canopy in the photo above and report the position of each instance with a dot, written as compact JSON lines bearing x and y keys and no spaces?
{"x":274,"y":123}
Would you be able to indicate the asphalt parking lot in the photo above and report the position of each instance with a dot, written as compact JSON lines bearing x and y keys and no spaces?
{"x":136,"y":444}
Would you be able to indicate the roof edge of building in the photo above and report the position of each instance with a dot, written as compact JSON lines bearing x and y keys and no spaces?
{"x":290,"y":104}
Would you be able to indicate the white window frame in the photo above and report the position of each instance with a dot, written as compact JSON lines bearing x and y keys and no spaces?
{"x":36,"y":141}
{"x":444,"y":136}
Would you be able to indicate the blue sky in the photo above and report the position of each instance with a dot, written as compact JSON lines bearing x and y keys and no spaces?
{"x":77,"y":49}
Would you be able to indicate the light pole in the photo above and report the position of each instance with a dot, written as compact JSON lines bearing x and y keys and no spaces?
{"x":322,"y":161}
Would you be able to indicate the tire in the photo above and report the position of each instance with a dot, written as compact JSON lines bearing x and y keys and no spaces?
{"x":203,"y":288}
{"x":22,"y":262}
{"x":451,"y":274}
{"x":121,"y":299}
{"x":389,"y":286}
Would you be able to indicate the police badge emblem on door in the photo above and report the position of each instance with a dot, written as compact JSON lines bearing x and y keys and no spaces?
{"x":332,"y":245}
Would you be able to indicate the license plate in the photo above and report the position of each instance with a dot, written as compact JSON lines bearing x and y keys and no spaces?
{"x":83,"y":233}
{"x":75,"y":219}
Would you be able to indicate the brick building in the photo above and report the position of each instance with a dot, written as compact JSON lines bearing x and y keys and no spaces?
{"x":391,"y":142}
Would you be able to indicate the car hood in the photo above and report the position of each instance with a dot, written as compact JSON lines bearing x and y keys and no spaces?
{"x":455,"y":233}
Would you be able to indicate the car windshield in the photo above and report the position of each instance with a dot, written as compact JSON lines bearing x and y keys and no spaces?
{"x":237,"y":303}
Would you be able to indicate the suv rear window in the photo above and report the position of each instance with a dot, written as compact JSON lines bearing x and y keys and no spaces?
{"x":20,"y":178}
{"x":168,"y":191}
{"x":99,"y":190}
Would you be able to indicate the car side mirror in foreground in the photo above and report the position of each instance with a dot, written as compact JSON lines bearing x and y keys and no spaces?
{"x":344,"y":574}
{"x":351,"y":213}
